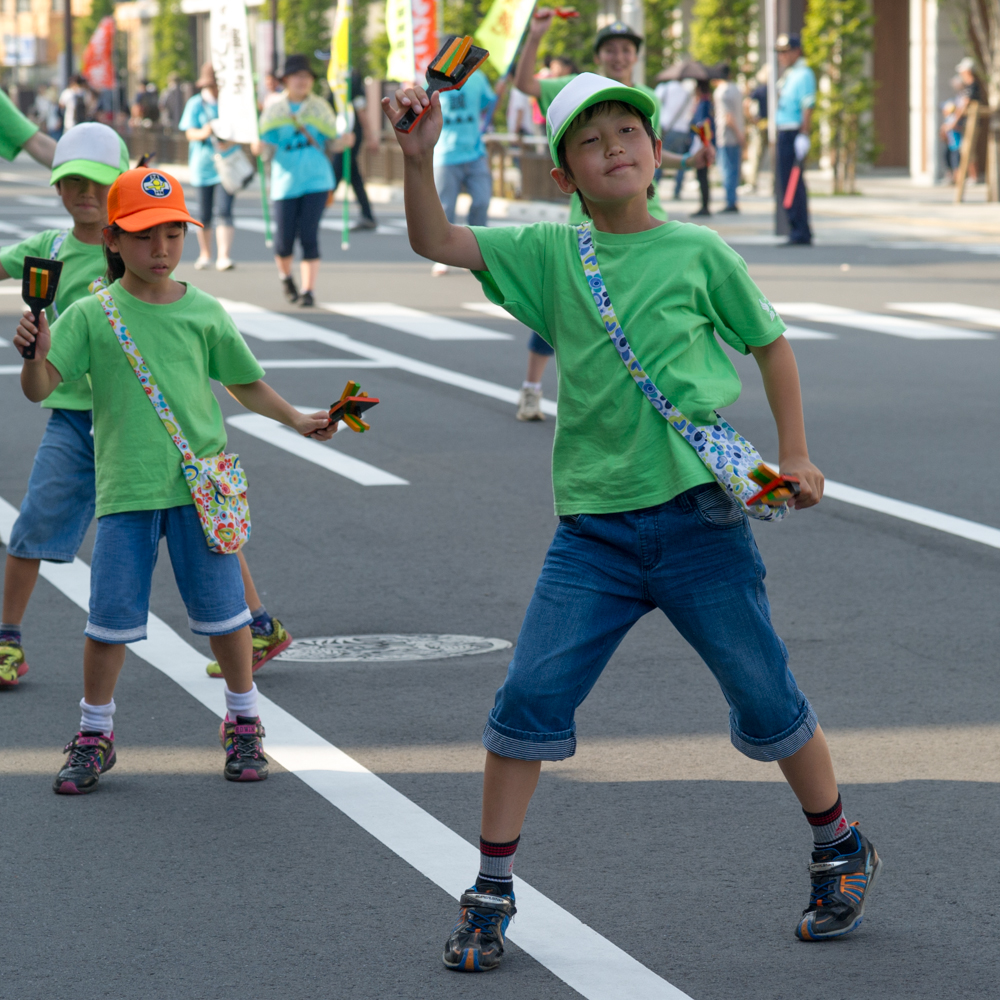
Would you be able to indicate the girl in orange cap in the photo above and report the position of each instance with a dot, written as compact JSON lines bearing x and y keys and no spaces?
{"x":148,"y":339}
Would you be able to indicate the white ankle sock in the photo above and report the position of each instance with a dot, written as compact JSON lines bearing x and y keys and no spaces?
{"x":97,"y":718}
{"x":242,"y":704}
{"x":536,"y":386}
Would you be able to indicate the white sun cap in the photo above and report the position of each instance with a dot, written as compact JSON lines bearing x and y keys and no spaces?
{"x":582,"y":92}
{"x":90,"y":150}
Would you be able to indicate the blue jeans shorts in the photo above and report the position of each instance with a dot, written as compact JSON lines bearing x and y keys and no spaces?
{"x":59,"y":505}
{"x":476,"y":177}
{"x":121,"y":572}
{"x":537,"y":345}
{"x":693,"y":557}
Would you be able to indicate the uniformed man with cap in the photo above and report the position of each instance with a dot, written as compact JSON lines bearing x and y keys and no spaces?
{"x":796,"y":99}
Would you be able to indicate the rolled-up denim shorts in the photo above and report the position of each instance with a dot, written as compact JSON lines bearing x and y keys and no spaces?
{"x":121,"y":573}
{"x":59,"y":504}
{"x":693,"y":557}
{"x":537,"y":345}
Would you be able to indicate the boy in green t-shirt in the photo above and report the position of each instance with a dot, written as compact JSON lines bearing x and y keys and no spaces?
{"x":643,"y":523}
{"x":616,"y":50}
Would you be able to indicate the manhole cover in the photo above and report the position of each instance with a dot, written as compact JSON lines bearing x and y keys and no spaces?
{"x":388,"y":648}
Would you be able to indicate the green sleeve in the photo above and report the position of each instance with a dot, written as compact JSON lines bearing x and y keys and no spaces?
{"x":15,"y":129}
{"x":230,"y":361}
{"x":744,"y":318}
{"x":550,"y":88}
{"x":70,"y":351}
{"x":515,"y":265}
{"x":39,"y":245}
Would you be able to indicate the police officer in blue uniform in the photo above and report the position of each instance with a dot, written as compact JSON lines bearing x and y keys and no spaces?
{"x":796,"y":99}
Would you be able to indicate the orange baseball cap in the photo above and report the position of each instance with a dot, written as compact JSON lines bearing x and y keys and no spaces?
{"x":142,"y":198}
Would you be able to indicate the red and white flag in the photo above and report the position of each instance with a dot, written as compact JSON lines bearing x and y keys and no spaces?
{"x":97,"y":62}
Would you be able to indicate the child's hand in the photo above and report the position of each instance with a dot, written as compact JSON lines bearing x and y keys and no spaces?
{"x":27,"y":333}
{"x":704,"y":157}
{"x":423,"y":137}
{"x":810,"y":482}
{"x":316,"y":425}
{"x":541,"y":22}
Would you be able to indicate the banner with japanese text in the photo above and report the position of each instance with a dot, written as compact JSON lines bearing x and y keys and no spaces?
{"x":339,"y":71}
{"x":413,"y":42}
{"x":229,"y":43}
{"x":502,"y":29}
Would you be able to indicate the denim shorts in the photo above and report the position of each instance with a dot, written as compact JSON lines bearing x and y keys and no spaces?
{"x":121,"y":572}
{"x":693,"y":557}
{"x":537,"y":345}
{"x":59,"y":505}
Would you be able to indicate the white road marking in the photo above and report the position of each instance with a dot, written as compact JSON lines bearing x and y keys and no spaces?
{"x":578,"y":955}
{"x":39,"y":200}
{"x":320,"y":363}
{"x":313,"y":451}
{"x":896,"y":326}
{"x":7,"y":227}
{"x":275,"y":327}
{"x":254,"y":225}
{"x":801,"y":333}
{"x":413,"y":321}
{"x":53,"y":221}
{"x":10,"y":290}
{"x":488,"y":309}
{"x":951,"y":310}
{"x":10,"y":369}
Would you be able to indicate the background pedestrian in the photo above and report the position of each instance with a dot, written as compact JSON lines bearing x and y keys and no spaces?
{"x":796,"y":98}
{"x":732,"y":133}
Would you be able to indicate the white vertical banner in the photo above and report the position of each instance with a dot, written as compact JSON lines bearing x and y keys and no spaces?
{"x":401,"y":65}
{"x":230,"y":45}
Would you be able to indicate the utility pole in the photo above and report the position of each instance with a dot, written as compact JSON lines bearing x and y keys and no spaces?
{"x":68,"y":32}
{"x":274,"y":38}
{"x":781,"y":227}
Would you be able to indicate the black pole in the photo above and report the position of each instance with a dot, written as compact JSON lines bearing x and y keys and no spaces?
{"x":68,"y":32}
{"x":274,"y":38}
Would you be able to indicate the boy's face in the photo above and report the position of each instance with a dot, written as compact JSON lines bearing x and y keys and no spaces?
{"x":84,"y":199}
{"x":611,"y":159}
{"x":616,"y":57}
{"x":152,"y":254}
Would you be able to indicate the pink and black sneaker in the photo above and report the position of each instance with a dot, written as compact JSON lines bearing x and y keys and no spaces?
{"x":245,"y":760}
{"x":90,"y":755}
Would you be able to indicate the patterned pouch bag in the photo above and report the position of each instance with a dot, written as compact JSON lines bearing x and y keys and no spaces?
{"x":218,"y":484}
{"x":729,"y":456}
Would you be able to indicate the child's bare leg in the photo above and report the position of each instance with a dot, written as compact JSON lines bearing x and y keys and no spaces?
{"x":234,"y":653}
{"x":102,"y":663}
{"x":19,"y":579}
{"x":536,"y":366}
{"x":809,"y":772}
{"x":250,"y":591}
{"x":508,"y":785}
{"x":204,"y":242}
{"x":284,"y":266}
{"x":310,"y":272}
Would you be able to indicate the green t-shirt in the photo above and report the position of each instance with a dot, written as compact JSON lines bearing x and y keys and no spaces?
{"x":15,"y":129}
{"x":185,"y":344}
{"x":82,"y":263}
{"x":552,"y":87}
{"x":671,"y":287}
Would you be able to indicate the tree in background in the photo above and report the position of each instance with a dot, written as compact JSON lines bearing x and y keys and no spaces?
{"x":573,"y":37}
{"x":663,"y":46}
{"x":172,"y":51}
{"x":980,"y":20}
{"x":721,"y":30}
{"x":84,"y":27}
{"x":307,"y":29}
{"x":838,"y":39}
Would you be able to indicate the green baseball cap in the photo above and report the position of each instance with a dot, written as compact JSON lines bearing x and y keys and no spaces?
{"x":582,"y":92}
{"x":90,"y":150}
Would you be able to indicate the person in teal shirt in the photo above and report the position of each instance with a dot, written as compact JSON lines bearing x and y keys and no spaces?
{"x":793,"y":116}
{"x":196,"y":123}
{"x":297,"y":126}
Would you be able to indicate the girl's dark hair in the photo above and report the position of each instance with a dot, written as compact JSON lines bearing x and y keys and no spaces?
{"x":602,"y":107}
{"x":567,"y":61}
{"x":116,"y":266}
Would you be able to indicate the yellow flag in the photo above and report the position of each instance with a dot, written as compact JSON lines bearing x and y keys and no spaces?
{"x":339,"y":71}
{"x":502,"y":28}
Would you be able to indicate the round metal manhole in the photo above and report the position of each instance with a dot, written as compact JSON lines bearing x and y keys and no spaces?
{"x":388,"y":648}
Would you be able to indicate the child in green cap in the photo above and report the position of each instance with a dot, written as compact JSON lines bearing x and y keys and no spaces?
{"x":644,"y":523}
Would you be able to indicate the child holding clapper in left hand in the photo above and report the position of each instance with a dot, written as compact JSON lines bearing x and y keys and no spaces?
{"x":643,"y":522}
{"x":186,"y":339}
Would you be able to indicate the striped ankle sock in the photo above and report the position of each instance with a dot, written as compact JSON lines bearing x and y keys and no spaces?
{"x":496,"y":864}
{"x":829,"y":828}
{"x":10,"y":633}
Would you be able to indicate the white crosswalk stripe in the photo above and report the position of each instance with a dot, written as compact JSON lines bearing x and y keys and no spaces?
{"x":895,"y":326}
{"x":414,"y":321}
{"x":980,"y":315}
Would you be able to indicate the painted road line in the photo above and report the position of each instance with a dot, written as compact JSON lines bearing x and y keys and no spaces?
{"x":10,"y":290}
{"x":801,"y":333}
{"x":488,"y":309}
{"x":948,"y":523}
{"x":578,"y":955}
{"x":6,"y":227}
{"x":320,"y":363}
{"x":313,"y":451}
{"x":413,"y":321}
{"x":951,"y":310}
{"x":255,"y":225}
{"x":895,"y":326}
{"x":277,"y":327}
{"x":10,"y":369}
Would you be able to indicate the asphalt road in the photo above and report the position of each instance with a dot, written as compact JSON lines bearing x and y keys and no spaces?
{"x":172,"y":883}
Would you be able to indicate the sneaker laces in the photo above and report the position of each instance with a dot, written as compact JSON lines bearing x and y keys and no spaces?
{"x":247,"y":745}
{"x":81,"y":756}
{"x":484,"y":922}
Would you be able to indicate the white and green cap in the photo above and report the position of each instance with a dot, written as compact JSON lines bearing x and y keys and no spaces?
{"x":90,"y":150}
{"x":582,"y":92}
